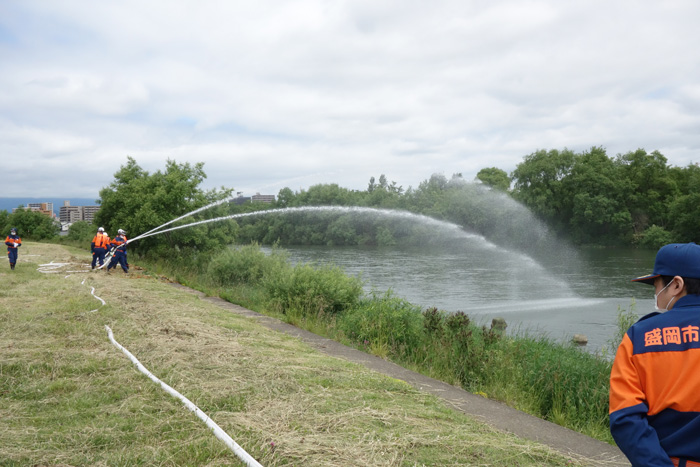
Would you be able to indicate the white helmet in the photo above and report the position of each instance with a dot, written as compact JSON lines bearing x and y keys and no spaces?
{"x":121,"y":232}
{"x":101,"y":229}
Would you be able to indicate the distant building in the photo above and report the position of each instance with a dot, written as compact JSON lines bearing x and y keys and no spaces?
{"x":68,"y":214}
{"x":258,"y":198}
{"x":89,"y":212}
{"x":43,"y":208}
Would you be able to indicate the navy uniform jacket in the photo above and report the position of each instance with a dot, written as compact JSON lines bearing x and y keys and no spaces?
{"x":655,"y":387}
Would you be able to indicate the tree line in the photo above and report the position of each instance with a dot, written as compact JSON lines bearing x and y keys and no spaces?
{"x":635,"y":198}
{"x":587,"y":198}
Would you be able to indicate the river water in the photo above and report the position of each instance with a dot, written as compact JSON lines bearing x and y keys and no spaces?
{"x":562,"y":293}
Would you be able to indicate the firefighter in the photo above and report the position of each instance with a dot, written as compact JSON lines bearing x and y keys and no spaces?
{"x":13,"y":242}
{"x":654,"y":403}
{"x":118,"y":244}
{"x":99,"y":246}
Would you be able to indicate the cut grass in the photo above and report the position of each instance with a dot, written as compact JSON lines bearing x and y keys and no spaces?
{"x":68,"y":396}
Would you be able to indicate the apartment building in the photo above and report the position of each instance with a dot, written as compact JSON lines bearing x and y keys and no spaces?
{"x":258,"y":198}
{"x":68,"y":214}
{"x":43,"y":208}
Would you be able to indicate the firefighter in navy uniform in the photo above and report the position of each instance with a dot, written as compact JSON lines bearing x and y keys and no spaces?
{"x":654,"y":383}
{"x":118,"y":243}
{"x":13,"y":242}
{"x":99,"y":246}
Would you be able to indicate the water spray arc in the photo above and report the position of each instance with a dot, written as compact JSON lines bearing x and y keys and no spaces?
{"x":154,"y":231}
{"x":204,"y":208}
{"x":339,"y":209}
{"x":444,"y":226}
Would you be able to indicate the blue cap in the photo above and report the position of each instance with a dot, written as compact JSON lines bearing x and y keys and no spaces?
{"x":675,"y":259}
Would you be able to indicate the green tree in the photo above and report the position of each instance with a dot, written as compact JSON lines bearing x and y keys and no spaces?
{"x":372,"y":185}
{"x":655,"y":237}
{"x":651,"y":187}
{"x":597,"y":194}
{"x":4,"y":222}
{"x":495,"y":178}
{"x":137,"y":202}
{"x":687,"y":179}
{"x":285,"y":198}
{"x":326,"y":195}
{"x":538,"y":183}
{"x":81,"y":231}
{"x":429,"y":197}
{"x":384,"y":195}
{"x":685,"y":215}
{"x":33,"y":225}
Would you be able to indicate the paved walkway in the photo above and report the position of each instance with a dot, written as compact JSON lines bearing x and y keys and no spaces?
{"x":496,"y":414}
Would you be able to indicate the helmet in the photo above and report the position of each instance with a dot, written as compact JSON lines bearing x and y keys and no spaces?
{"x":13,"y":230}
{"x":101,"y":229}
{"x":121,"y":232}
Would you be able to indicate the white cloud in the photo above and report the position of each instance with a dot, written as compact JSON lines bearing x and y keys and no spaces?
{"x":302,"y":92}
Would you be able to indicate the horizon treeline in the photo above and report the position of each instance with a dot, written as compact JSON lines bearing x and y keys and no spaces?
{"x":586,"y":198}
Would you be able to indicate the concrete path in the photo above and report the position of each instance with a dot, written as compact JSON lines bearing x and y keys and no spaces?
{"x":496,"y":414}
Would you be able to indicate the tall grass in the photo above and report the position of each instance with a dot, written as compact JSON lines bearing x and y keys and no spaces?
{"x":558,"y":382}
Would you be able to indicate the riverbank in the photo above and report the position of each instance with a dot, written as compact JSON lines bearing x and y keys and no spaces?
{"x":498,"y":415}
{"x":556,"y":382}
{"x":70,"y":397}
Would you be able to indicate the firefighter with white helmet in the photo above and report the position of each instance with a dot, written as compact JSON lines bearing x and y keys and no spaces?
{"x":99,"y":246}
{"x":119,"y":247}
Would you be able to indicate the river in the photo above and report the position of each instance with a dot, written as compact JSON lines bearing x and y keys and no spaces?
{"x":558,"y":295}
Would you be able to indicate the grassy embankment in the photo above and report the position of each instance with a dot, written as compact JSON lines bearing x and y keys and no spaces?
{"x":560,"y":383}
{"x":69,"y":397}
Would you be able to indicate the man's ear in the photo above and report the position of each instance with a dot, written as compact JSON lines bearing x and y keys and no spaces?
{"x":678,"y":285}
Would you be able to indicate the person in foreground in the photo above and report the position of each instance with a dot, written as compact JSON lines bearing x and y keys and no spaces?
{"x":655,"y":378}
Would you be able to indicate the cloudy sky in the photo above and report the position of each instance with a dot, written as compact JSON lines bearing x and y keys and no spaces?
{"x":274,"y":94}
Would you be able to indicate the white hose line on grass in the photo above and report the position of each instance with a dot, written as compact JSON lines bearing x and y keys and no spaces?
{"x":54,"y":268}
{"x":92,"y":291}
{"x":218,"y":432}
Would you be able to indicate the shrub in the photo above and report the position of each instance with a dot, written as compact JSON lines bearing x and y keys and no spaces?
{"x":387,"y":324}
{"x":81,"y":231}
{"x":433,"y":322}
{"x":655,"y":237}
{"x":246,"y":264}
{"x":313,"y":291}
{"x":565,"y":384}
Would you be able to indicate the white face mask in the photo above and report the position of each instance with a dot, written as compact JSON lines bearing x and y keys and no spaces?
{"x":656,"y":299}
